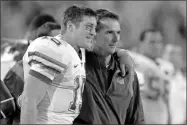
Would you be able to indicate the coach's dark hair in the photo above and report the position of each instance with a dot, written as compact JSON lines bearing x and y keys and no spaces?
{"x":75,"y":14}
{"x":104,"y":14}
{"x":143,"y":33}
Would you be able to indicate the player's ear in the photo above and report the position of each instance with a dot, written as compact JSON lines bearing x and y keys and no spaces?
{"x":70,"y":26}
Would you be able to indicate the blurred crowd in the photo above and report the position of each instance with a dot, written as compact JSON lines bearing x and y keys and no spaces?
{"x":166,"y":45}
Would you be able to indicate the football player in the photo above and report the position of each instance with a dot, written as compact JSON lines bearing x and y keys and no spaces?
{"x":54,"y":73}
{"x":154,"y":83}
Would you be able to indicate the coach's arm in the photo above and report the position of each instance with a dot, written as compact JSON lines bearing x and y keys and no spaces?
{"x":135,"y":114}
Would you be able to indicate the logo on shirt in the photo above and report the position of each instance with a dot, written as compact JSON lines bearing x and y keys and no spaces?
{"x":120,"y":80}
{"x":75,"y":66}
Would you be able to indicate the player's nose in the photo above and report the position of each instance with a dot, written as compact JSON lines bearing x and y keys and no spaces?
{"x":92,"y":33}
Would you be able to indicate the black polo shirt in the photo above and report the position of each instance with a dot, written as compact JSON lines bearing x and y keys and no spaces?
{"x":108,"y":98}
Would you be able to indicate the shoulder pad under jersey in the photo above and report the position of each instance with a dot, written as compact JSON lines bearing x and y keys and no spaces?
{"x":56,"y":41}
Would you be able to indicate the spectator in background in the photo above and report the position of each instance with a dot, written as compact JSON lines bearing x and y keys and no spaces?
{"x":42,"y":25}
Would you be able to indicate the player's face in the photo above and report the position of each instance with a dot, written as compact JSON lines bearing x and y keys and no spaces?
{"x":108,"y":36}
{"x":85,"y":33}
{"x":153,"y":45}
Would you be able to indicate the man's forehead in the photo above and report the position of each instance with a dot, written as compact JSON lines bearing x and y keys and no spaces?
{"x":110,"y":24}
{"x":89,"y":20}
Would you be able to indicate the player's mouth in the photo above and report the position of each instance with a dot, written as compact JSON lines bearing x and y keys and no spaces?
{"x":90,"y":39}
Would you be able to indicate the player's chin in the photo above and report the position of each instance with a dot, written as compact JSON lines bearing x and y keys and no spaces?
{"x":89,"y":45}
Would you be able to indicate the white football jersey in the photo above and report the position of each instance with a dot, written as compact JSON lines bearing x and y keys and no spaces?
{"x":177,"y":99}
{"x":165,"y":66}
{"x":56,"y":63}
{"x":153,"y":89}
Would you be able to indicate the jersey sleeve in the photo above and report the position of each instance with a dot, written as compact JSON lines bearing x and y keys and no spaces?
{"x":45,"y":59}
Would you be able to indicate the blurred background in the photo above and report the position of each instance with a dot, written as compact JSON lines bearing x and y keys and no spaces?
{"x":135,"y":16}
{"x":167,"y":16}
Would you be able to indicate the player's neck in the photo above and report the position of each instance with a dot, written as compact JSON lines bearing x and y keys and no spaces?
{"x":70,"y":41}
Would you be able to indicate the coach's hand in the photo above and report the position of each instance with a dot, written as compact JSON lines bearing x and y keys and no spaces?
{"x":126,"y":64}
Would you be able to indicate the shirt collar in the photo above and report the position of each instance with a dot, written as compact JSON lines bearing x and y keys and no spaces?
{"x":112,"y":63}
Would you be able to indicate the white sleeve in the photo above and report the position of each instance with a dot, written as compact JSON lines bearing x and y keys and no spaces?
{"x":45,"y":60}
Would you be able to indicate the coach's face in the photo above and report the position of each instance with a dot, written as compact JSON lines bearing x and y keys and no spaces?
{"x":108,"y":36}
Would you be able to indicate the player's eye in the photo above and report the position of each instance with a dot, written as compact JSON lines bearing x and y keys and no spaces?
{"x":88,"y":28}
{"x":109,"y":32}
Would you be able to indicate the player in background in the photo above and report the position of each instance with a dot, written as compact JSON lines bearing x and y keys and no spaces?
{"x":54,"y":72}
{"x":41,"y":25}
{"x":14,"y":49}
{"x":154,"y":83}
{"x":177,"y":98}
